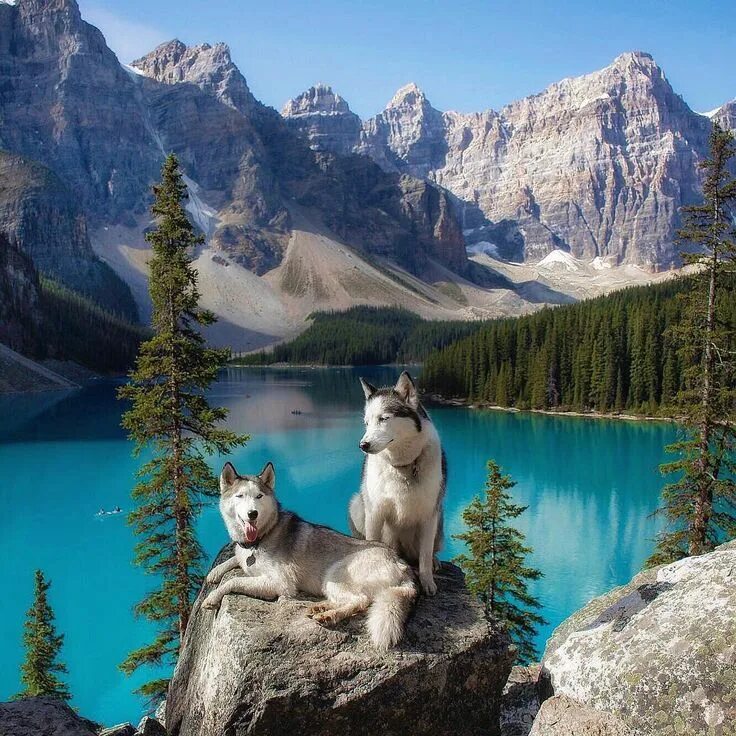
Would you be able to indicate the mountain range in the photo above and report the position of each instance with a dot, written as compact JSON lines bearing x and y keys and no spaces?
{"x":597,"y":166}
{"x":566,"y":193}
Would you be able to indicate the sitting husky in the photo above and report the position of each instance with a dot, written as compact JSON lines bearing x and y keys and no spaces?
{"x":404,"y":475}
{"x":282,"y":554}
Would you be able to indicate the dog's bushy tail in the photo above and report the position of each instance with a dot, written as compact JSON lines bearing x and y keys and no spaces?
{"x":388,"y":613}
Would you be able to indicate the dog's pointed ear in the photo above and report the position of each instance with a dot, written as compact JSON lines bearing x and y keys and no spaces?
{"x":407,"y":390}
{"x":368,"y":388}
{"x":228,"y":476}
{"x":268,"y":475}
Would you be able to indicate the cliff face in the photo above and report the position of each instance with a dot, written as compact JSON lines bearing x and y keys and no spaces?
{"x":268,"y":165}
{"x":40,"y":216}
{"x":320,"y":113}
{"x":97,"y":133}
{"x":725,"y":116}
{"x":68,"y":104}
{"x":597,"y":165}
{"x":69,"y":113}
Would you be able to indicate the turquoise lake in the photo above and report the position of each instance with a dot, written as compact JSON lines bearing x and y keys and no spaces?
{"x":590,"y":484}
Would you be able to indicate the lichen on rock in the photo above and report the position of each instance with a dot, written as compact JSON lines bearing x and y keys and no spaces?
{"x":660,"y":652}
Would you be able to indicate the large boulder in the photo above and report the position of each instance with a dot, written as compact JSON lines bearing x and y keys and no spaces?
{"x":563,"y":716}
{"x":658,"y":653}
{"x":41,"y":716}
{"x":265,"y":668}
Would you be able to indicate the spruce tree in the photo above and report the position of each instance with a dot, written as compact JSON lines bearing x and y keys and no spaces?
{"x":41,"y":667}
{"x":700,"y":506}
{"x":171,"y":417}
{"x":495,"y":568}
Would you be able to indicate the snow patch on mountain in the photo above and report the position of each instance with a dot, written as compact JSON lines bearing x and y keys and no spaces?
{"x":133,"y":71}
{"x":600,"y":264}
{"x":202,"y":214}
{"x":560,"y":260}
{"x":484,"y":247}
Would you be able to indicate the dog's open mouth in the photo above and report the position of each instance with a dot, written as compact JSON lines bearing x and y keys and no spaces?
{"x":251,"y":531}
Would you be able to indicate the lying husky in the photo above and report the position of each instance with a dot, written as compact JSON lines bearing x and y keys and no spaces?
{"x":282,"y":554}
{"x":404,"y":475}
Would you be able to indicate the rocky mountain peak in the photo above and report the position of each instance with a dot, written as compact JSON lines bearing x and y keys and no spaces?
{"x":46,"y":6}
{"x":325,"y":119}
{"x":639,"y":60}
{"x":319,"y":99}
{"x":163,"y":56}
{"x":547,"y":162}
{"x":210,"y":67}
{"x":408,"y":136}
{"x":408,"y":96}
{"x":725,"y":116}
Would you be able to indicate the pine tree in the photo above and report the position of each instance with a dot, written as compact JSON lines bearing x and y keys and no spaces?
{"x":700,"y":506}
{"x":495,"y":568}
{"x":171,"y":417}
{"x":42,"y":644}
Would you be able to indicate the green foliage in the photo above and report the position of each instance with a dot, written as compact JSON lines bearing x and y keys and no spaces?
{"x":75,"y":328}
{"x":495,"y":568}
{"x":171,"y":416}
{"x":41,"y":667}
{"x":700,"y":504}
{"x":610,"y":354}
{"x":364,"y":336}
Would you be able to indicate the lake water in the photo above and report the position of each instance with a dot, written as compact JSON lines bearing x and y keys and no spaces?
{"x":590,"y":485}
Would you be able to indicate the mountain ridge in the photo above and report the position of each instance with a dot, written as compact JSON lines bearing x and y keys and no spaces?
{"x":291,"y":225}
{"x":102,"y":129}
{"x":597,"y":165}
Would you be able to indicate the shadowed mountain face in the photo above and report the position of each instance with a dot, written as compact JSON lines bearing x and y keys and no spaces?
{"x":598,"y":165}
{"x":40,"y":215}
{"x":383,"y":213}
{"x":86,"y":137}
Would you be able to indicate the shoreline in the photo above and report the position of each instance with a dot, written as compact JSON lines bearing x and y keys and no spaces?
{"x":320,"y":366}
{"x":440,"y":400}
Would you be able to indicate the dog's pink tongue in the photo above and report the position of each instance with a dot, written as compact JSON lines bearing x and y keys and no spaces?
{"x":251,"y":532}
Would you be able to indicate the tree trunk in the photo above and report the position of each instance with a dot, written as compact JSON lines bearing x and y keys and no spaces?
{"x":180,"y":505}
{"x":698,"y":542}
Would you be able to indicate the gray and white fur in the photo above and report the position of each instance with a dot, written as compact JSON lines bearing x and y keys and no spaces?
{"x":282,"y":555}
{"x":404,"y":477}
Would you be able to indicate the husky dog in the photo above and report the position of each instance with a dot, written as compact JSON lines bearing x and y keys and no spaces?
{"x":282,"y":554}
{"x":404,"y":476}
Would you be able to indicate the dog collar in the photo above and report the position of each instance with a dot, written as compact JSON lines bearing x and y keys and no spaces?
{"x":251,"y":560}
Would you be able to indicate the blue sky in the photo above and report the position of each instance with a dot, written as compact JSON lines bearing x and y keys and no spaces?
{"x":466,"y":55}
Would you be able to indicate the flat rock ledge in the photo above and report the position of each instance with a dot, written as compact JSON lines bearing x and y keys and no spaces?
{"x":659,"y":654}
{"x":265,"y":668}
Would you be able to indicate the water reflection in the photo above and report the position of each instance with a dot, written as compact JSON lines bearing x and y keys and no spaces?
{"x":590,"y":486}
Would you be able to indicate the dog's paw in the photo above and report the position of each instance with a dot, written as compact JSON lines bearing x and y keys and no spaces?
{"x":318,"y":608}
{"x":428,"y":585}
{"x":326,"y":618}
{"x":212,"y":602}
{"x":213,"y":578}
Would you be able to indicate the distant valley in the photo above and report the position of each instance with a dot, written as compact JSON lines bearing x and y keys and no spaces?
{"x":561,"y":196}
